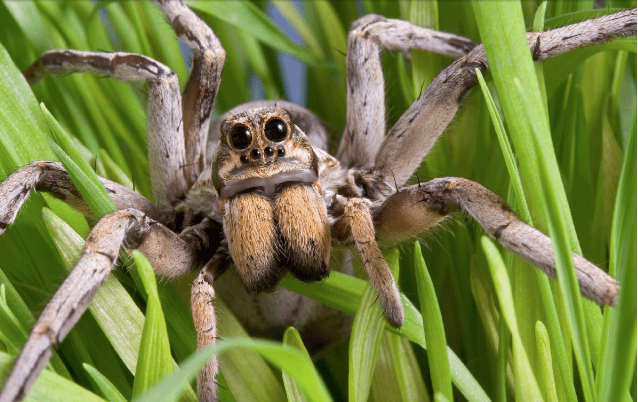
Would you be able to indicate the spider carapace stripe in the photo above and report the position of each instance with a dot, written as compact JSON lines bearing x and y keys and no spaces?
{"x":268,"y":198}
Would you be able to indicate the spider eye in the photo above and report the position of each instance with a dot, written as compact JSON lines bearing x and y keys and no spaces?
{"x":240,"y":137}
{"x":276,"y":130}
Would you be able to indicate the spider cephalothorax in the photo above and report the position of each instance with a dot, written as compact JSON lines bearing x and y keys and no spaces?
{"x":269,"y":198}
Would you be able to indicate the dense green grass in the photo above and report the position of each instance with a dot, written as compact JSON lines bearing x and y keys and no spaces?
{"x":578,"y":114}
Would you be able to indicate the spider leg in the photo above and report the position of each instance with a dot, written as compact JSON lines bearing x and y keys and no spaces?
{"x":356,"y":224}
{"x":411,"y":138}
{"x":51,"y":177}
{"x":365,"y":127}
{"x":202,"y":296}
{"x":75,"y":294}
{"x":203,"y":82}
{"x":413,"y":209}
{"x":164,"y":114}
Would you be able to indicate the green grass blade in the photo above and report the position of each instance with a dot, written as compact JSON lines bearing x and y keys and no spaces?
{"x":344,"y":293}
{"x":365,"y":339}
{"x":501,"y":25}
{"x":239,"y":365}
{"x":154,"y":360}
{"x":522,"y":368}
{"x":12,"y":334}
{"x":287,"y":358}
{"x":523,"y":210}
{"x":256,"y":23}
{"x":407,"y":370}
{"x":50,"y":387}
{"x":293,"y":391}
{"x":105,"y":387}
{"x":434,"y":331}
{"x":618,"y":358}
{"x":544,"y":357}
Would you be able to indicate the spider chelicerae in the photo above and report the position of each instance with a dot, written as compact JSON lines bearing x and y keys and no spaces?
{"x":267,"y":198}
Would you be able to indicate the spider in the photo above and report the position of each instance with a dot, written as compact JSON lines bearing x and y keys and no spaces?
{"x":269,"y":199}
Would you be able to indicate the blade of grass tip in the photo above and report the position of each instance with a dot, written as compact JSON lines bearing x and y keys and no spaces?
{"x":103,"y":385}
{"x":618,"y":361}
{"x":522,"y":367}
{"x":154,"y":360}
{"x":112,"y":307}
{"x":544,"y":358}
{"x":433,"y":326}
{"x":559,"y":228}
{"x":543,"y":282}
{"x":66,"y":144}
{"x":292,"y":338}
{"x":99,"y":203}
{"x":365,"y":340}
{"x":83,"y":177}
{"x":52,"y":387}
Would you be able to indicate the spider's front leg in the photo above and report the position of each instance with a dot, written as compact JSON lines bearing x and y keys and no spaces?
{"x":76,"y":292}
{"x":413,"y":209}
{"x":203,"y":82}
{"x":165,"y":136}
{"x":357,"y":225}
{"x":365,"y":127}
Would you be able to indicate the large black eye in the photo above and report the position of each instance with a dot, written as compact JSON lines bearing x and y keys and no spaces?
{"x":240,"y":137}
{"x":276,"y":130}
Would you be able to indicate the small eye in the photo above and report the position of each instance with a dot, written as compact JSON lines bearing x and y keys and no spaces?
{"x":276,"y":130}
{"x":240,"y":137}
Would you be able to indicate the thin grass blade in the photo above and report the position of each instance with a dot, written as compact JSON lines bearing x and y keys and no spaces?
{"x":105,"y":387}
{"x":434,"y":330}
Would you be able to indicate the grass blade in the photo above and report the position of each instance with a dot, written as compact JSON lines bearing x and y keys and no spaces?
{"x":105,"y":387}
{"x":618,"y":357}
{"x":365,"y":340}
{"x":154,"y":360}
{"x":434,"y":331}
{"x":522,"y":367}
{"x":293,"y":391}
{"x":50,"y":387}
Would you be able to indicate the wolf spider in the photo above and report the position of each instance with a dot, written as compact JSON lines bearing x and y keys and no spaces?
{"x":270,"y":199}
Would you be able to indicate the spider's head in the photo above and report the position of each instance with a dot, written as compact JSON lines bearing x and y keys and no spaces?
{"x":261,"y":149}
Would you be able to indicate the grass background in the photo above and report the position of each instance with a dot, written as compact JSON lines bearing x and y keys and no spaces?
{"x":586,"y":134}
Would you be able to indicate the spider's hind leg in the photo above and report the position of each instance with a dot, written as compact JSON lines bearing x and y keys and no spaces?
{"x":357,"y":225}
